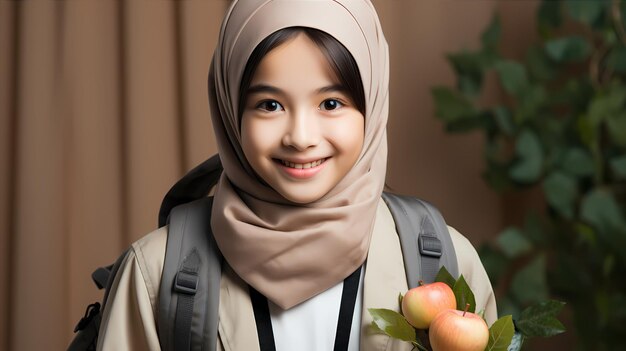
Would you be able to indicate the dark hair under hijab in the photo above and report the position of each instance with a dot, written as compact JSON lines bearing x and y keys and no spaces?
{"x":343,"y":64}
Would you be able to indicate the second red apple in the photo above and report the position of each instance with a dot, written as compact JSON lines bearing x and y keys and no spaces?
{"x":454,"y":330}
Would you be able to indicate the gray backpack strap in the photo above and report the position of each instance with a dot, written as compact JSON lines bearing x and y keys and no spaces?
{"x":189,"y":291}
{"x":424,"y":238}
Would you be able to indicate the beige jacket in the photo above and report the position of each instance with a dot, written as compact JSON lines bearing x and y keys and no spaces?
{"x":129,"y":321}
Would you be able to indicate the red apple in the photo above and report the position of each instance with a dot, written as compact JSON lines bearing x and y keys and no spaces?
{"x":420,"y":305}
{"x":453,"y":330}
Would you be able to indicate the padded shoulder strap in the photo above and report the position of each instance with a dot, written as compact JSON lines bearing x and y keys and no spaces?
{"x":194,"y":185}
{"x":424,"y":237}
{"x":189,"y":291}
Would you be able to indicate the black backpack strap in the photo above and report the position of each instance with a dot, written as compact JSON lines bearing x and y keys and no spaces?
{"x":195,"y":185}
{"x":86,"y":330}
{"x":189,"y":291}
{"x":88,"y":327}
{"x":424,"y":238}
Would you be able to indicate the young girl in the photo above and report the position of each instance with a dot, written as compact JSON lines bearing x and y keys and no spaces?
{"x":299,"y":102}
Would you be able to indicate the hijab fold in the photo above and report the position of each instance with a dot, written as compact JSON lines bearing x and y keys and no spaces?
{"x":291,"y":252}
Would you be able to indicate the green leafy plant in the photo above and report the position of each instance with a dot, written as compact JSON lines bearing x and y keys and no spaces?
{"x":560,"y":129}
{"x":538,"y":320}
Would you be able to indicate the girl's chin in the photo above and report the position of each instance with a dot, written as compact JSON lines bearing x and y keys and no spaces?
{"x":302,"y":195}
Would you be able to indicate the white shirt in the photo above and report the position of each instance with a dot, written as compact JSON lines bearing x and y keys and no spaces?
{"x":312,"y":325}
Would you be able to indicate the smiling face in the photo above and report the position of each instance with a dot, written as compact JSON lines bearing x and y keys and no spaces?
{"x":300,"y":130}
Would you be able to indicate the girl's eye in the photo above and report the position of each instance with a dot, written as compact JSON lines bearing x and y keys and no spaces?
{"x":330,"y":104}
{"x":270,"y":105}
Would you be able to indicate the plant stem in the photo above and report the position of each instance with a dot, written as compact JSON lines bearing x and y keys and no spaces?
{"x":418,"y":346}
{"x":598,"y":162}
{"x":467,"y":306}
{"x":594,"y":69}
{"x":616,"y":16}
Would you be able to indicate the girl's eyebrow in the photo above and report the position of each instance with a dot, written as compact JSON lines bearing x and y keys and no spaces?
{"x":332,"y":88}
{"x":264,"y":88}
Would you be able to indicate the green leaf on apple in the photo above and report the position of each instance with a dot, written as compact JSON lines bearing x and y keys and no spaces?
{"x":393,"y":324}
{"x":464,"y":295}
{"x":501,"y":334}
{"x":540,"y":319}
{"x":445,"y":277}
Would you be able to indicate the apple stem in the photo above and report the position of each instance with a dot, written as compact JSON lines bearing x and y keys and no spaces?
{"x":420,"y":283}
{"x":467,"y":306}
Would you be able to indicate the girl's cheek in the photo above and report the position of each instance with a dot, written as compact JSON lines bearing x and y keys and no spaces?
{"x":347,"y":133}
{"x":261,"y":133}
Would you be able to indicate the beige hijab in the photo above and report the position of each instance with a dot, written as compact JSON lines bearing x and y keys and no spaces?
{"x":286,"y":251}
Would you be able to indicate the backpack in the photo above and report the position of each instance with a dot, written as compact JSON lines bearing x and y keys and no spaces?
{"x":190,"y":282}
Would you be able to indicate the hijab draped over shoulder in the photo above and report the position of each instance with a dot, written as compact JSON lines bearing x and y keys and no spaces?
{"x":290,"y":252}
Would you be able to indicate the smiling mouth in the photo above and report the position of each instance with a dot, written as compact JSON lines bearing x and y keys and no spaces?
{"x":301,"y":165}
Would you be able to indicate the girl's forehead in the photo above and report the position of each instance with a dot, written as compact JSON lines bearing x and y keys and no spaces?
{"x":298,"y":60}
{"x":354,"y":24}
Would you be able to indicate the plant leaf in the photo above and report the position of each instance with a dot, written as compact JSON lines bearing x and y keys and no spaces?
{"x":504,"y":120}
{"x":497,"y":174}
{"x":516,"y":342}
{"x":568,"y":49}
{"x":491,"y":35}
{"x":392,"y":323}
{"x":587,"y":131}
{"x":584,"y":11}
{"x":445,"y":277}
{"x":540,"y":319}
{"x":513,"y":242}
{"x":600,"y":209}
{"x":464,"y":295}
{"x":617,"y":128}
{"x":530,"y":103}
{"x":561,"y":191}
{"x":540,"y":67}
{"x":513,"y":76}
{"x":375,"y":329}
{"x":578,"y":162}
{"x":618,"y":165}
{"x":533,"y":228}
{"x":469,"y":122}
{"x":549,"y":14}
{"x":451,"y":106}
{"x":495,"y":263}
{"x":528,"y":148}
{"x":530,"y":283}
{"x":469,"y":69}
{"x":617,"y":59}
{"x":605,"y":106}
{"x":501,"y":334}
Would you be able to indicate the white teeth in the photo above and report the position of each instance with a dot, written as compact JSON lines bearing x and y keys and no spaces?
{"x":302,"y":165}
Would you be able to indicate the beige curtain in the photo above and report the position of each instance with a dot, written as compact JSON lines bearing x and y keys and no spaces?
{"x":103,"y":106}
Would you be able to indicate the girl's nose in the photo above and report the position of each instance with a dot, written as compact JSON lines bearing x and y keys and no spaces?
{"x":303,"y":131}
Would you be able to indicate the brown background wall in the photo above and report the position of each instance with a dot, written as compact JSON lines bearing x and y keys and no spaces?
{"x":103,"y":106}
